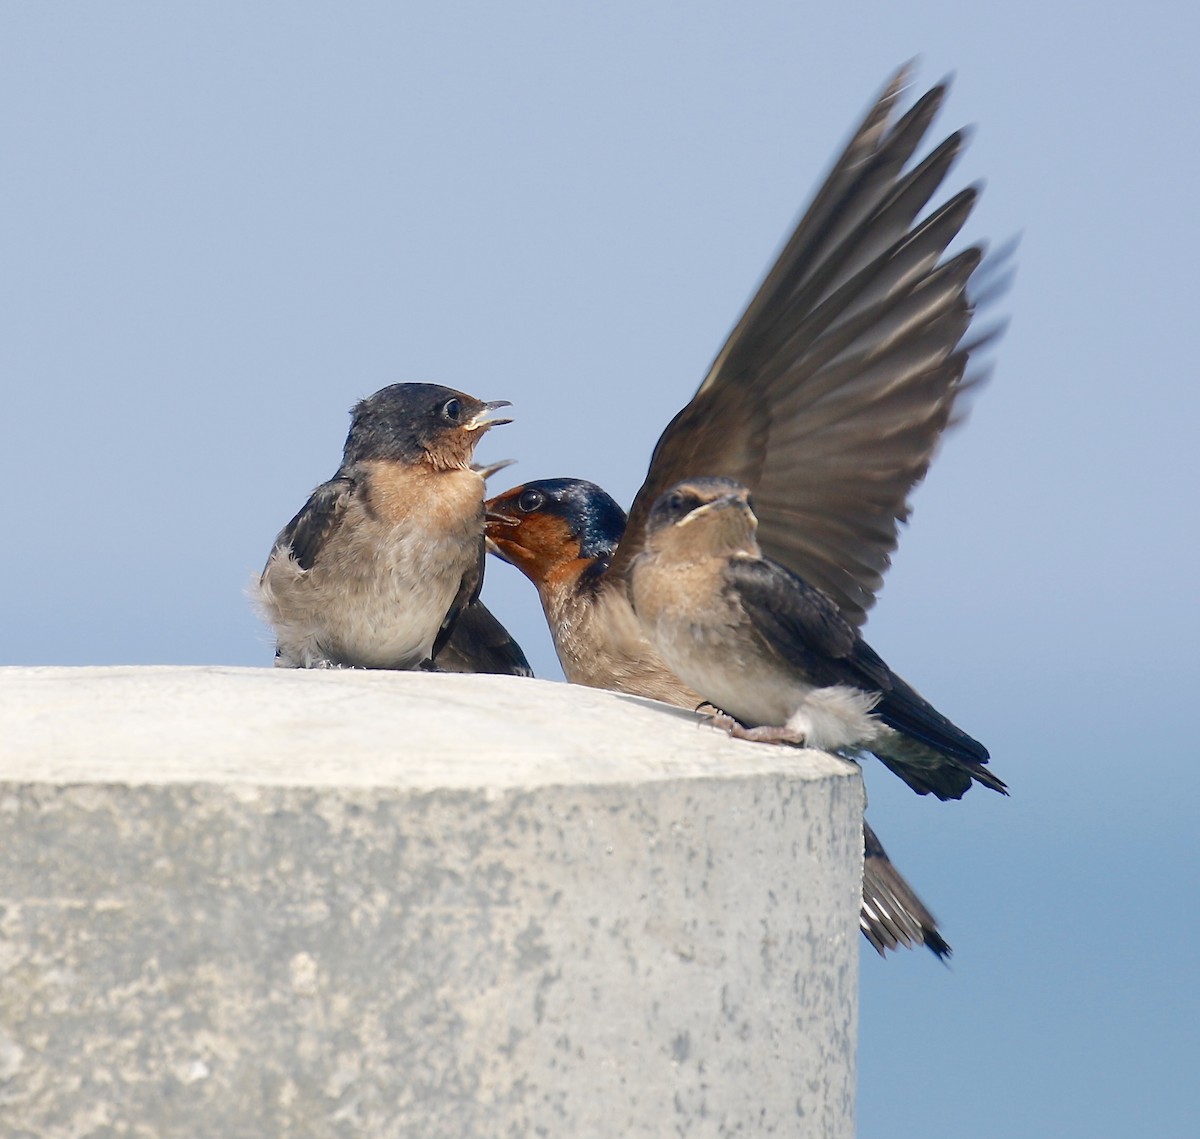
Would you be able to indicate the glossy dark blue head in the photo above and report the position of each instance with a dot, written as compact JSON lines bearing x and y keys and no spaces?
{"x":542,"y":525}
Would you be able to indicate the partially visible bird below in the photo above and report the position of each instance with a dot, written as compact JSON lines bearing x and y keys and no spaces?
{"x":383,"y":565}
{"x":892,"y":915}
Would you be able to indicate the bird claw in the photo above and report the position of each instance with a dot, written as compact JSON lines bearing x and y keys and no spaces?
{"x":713,"y":716}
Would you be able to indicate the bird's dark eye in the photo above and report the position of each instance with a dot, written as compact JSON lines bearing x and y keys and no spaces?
{"x":676,"y":502}
{"x":451,"y":410}
{"x":530,"y":500}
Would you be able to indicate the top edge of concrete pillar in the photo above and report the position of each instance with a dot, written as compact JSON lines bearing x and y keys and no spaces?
{"x":279,"y":727}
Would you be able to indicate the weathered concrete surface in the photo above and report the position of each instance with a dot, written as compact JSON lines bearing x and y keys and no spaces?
{"x":271,"y":903}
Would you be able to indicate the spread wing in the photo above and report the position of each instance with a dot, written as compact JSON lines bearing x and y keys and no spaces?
{"x":319,"y":517}
{"x":479,"y":643}
{"x":830,"y":394}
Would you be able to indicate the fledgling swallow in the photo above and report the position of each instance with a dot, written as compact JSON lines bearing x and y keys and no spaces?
{"x":385,"y":560}
{"x":562,"y":534}
{"x":828,"y":400}
{"x":774,"y":653}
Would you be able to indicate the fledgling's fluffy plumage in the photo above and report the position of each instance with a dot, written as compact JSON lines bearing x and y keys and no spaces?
{"x":383,"y":559}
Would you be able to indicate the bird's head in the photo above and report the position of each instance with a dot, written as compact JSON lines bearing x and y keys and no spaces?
{"x":702,"y":517}
{"x":548,"y":527}
{"x":419,"y":423}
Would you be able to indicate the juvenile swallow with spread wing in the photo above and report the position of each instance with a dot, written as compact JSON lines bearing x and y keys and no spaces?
{"x":773,"y":653}
{"x":828,"y":400}
{"x":383,"y":565}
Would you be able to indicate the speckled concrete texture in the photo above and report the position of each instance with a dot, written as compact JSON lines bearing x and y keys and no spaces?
{"x":256,"y":903}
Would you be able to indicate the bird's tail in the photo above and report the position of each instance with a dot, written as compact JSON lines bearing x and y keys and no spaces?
{"x":928,"y":770}
{"x":892,"y":914}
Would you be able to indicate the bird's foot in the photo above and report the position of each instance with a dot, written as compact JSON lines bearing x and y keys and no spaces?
{"x":765,"y":734}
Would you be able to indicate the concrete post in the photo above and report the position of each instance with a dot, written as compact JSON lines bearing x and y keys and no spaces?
{"x":256,"y":903}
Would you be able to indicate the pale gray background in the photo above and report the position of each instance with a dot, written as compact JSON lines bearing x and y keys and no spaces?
{"x":223,"y":223}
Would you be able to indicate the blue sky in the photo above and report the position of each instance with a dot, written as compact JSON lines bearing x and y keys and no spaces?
{"x":222,"y":224}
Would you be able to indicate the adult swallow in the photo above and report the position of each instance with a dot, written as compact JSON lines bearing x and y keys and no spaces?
{"x":384,"y":562}
{"x":774,"y":653}
{"x":562,"y":533}
{"x":828,"y":400}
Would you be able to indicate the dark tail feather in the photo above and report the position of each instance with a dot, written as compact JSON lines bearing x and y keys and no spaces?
{"x":479,"y":643}
{"x":892,"y":915}
{"x":906,"y":710}
{"x":930,"y":771}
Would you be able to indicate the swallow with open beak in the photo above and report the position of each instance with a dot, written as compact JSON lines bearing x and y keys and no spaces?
{"x":828,"y":400}
{"x":773,"y":653}
{"x":384,"y":563}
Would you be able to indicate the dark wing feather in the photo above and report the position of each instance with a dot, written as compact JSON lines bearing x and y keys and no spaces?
{"x":803,"y":627}
{"x":319,"y":517}
{"x":907,"y":711}
{"x":892,"y":914}
{"x":468,"y":594}
{"x":479,"y":643}
{"x":830,"y":395}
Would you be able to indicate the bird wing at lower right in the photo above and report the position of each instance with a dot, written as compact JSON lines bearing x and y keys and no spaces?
{"x":892,"y":914}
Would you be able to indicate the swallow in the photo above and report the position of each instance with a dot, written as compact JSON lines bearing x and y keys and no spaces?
{"x":828,"y":399}
{"x":774,"y":654}
{"x":384,"y":562}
